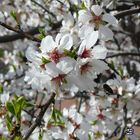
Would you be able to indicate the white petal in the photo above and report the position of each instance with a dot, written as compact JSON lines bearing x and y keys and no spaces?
{"x":85,"y":30}
{"x":84,"y":16}
{"x":82,"y":47}
{"x":99,"y":52}
{"x":66,"y":42}
{"x":91,"y":39}
{"x":97,"y":10}
{"x":47,"y":44}
{"x":105,"y":33}
{"x":52,"y":70}
{"x":58,"y":37}
{"x":109,"y":18}
{"x":66,"y":64}
{"x":65,"y":112}
{"x":99,"y":66}
{"x":31,"y":54}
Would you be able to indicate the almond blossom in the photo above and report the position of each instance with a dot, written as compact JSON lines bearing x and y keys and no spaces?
{"x":95,"y":20}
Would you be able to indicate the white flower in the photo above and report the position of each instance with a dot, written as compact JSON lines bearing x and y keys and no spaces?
{"x":98,"y":51}
{"x":54,"y":49}
{"x":94,"y":19}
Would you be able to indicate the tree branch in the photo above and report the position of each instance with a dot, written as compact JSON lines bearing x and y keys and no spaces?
{"x":127,"y":12}
{"x":31,"y":32}
{"x":9,"y":38}
{"x":44,"y":8}
{"x":122,"y":134}
{"x":25,"y":34}
{"x":39,"y":117}
{"x":123,"y":54}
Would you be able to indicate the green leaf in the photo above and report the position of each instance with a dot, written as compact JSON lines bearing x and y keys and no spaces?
{"x":1,"y":88}
{"x":56,"y":118}
{"x":8,"y":122}
{"x":1,"y":52}
{"x":40,"y":136}
{"x":112,"y":65}
{"x":10,"y":108}
{"x":98,"y":135}
{"x":89,"y":137}
{"x":124,"y":138}
{"x":13,"y":14}
{"x":120,"y":71}
{"x":16,"y":107}
{"x":21,"y":102}
{"x":17,"y":138}
{"x":2,"y":138}
{"x":75,"y":9}
{"x":44,"y":60}
{"x":94,"y":122}
{"x":42,"y":33}
{"x":83,"y":7}
{"x":27,"y":104}
{"x":71,"y":54}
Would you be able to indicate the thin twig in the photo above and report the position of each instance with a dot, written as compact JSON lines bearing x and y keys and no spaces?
{"x":127,"y":12}
{"x":123,"y":54}
{"x":44,"y":8}
{"x":39,"y":117}
{"x":122,"y":134}
{"x":9,"y":38}
{"x":114,"y":132}
{"x":31,"y":32}
{"x":25,"y":34}
{"x":112,"y":68}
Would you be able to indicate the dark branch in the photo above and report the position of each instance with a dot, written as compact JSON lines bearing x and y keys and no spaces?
{"x":127,"y":12}
{"x":39,"y":117}
{"x":44,"y":8}
{"x":13,"y":37}
{"x":122,"y":134}
{"x":9,"y":38}
{"x":123,"y":54}
{"x":31,"y":32}
{"x":25,"y":34}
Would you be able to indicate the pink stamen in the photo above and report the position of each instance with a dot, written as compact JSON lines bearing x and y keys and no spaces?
{"x":84,"y":68}
{"x":54,"y":55}
{"x":86,"y":53}
{"x":59,"y":79}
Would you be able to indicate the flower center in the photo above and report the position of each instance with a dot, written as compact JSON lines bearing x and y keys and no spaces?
{"x":100,"y":116}
{"x":96,"y":20}
{"x":54,"y":55}
{"x":59,"y":79}
{"x":86,"y":53}
{"x":85,"y":68}
{"x":115,"y":101}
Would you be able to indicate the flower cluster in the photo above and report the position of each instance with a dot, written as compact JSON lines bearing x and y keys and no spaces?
{"x":72,"y":63}
{"x":63,"y":63}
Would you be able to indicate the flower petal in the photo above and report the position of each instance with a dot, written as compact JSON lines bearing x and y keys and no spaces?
{"x":47,"y":44}
{"x":109,"y":18}
{"x":82,"y":47}
{"x":99,"y":52}
{"x":91,"y":39}
{"x":105,"y":33}
{"x":66,"y":64}
{"x":84,"y":16}
{"x":66,"y":42}
{"x":97,"y":10}
{"x":99,"y":66}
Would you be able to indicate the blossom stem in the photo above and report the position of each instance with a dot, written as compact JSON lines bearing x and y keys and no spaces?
{"x":39,"y":117}
{"x":45,"y":9}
